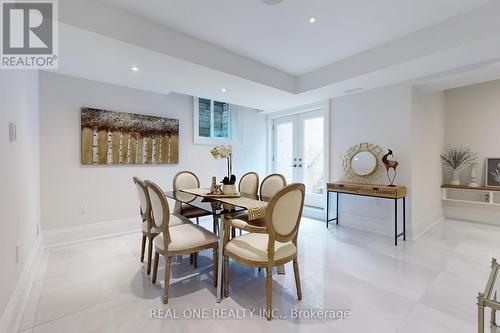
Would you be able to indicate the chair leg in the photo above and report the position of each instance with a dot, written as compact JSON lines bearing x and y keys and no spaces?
{"x":269,"y":292}
{"x":166,"y":280}
{"x":155,"y":267}
{"x":215,"y":265}
{"x":226,"y":276}
{"x":297,"y":278}
{"x":195,"y":260}
{"x":197,"y":220}
{"x":191,"y":255}
{"x":233,"y":233}
{"x":143,"y":247}
{"x":150,"y":254}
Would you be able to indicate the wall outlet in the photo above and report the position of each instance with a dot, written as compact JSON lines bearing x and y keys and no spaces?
{"x":83,"y":209}
{"x":18,"y":252}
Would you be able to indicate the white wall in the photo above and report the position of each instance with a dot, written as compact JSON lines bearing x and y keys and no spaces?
{"x":473,"y":121}
{"x":20,"y":170}
{"x":428,"y":127}
{"x":381,"y":117}
{"x":108,"y":191}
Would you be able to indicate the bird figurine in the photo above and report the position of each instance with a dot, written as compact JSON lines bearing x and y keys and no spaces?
{"x":389,"y":164}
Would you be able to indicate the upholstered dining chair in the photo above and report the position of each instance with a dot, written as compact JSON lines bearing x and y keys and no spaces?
{"x":149,"y":232}
{"x":249,"y":183}
{"x":272,"y":245}
{"x":186,"y":180}
{"x":272,"y":184}
{"x":187,"y":238}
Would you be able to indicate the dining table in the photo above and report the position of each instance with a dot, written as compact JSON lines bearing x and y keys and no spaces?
{"x":221,"y":208}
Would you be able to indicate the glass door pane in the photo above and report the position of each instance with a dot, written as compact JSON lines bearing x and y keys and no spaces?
{"x":311,"y":167}
{"x":313,"y":161}
{"x":284,"y":130}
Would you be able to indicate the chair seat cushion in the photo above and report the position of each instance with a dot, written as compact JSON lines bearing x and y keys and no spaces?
{"x":174,"y":220}
{"x":253,"y":246}
{"x":190,"y":211}
{"x":184,"y":237}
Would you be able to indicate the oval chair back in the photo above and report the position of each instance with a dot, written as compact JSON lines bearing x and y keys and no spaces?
{"x":272,"y":184}
{"x":283,"y":214}
{"x":185,"y":180}
{"x":249,"y":183}
{"x":145,"y":208}
{"x":160,"y":213}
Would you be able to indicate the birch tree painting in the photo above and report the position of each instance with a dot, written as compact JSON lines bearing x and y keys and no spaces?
{"x":110,"y":137}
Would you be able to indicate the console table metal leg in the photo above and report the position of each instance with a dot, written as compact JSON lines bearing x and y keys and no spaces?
{"x":404,"y":219}
{"x":336,"y":218}
{"x":337,"y":210}
{"x":396,"y":222}
{"x":327,"y":207}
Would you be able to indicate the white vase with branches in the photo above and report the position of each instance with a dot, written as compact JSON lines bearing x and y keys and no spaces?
{"x":455,"y":158}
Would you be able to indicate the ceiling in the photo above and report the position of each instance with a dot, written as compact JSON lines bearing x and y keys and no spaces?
{"x":281,"y":36}
{"x":99,"y":41}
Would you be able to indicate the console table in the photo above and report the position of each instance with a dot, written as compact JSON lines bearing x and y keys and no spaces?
{"x":369,"y":190}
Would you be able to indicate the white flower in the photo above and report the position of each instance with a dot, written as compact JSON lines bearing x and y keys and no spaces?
{"x":221,"y":151}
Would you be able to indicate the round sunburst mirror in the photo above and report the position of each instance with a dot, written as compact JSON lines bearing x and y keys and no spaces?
{"x":361,"y":162}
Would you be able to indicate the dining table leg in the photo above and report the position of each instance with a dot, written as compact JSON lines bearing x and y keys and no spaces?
{"x":220,"y":258}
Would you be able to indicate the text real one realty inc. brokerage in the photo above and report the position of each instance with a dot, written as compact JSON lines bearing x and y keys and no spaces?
{"x":204,"y":313}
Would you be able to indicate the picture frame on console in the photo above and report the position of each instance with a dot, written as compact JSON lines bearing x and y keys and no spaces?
{"x":493,"y":172}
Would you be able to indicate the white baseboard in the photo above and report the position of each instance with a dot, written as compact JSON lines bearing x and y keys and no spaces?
{"x":13,"y":313}
{"x":314,"y":213}
{"x":12,"y":316}
{"x":429,"y":227}
{"x":71,"y":235}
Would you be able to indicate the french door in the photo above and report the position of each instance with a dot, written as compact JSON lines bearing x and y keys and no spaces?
{"x":299,"y":153}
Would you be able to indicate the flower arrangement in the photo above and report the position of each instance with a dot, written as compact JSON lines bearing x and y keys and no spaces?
{"x":226,"y":152}
{"x":455,"y":158}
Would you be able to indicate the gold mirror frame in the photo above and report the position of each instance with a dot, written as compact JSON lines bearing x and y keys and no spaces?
{"x":368,"y":147}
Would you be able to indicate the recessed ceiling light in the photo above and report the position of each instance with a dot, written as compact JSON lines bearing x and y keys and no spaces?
{"x":223,"y":90}
{"x":135,"y":68}
{"x":313,"y":19}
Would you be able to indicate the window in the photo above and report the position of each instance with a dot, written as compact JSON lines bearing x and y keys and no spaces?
{"x":213,"y":121}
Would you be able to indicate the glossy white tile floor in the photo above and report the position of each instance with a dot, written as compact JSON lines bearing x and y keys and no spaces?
{"x":424,"y":286}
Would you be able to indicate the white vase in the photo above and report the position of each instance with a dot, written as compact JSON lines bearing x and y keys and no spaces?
{"x":229,"y":189}
{"x":473,"y":177}
{"x":456,"y":177}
